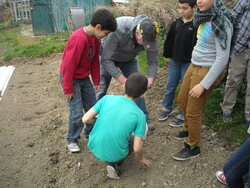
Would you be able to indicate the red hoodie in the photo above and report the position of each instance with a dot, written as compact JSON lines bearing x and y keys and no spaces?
{"x":80,"y":58}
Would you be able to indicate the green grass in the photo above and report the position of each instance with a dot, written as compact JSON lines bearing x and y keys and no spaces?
{"x":235,"y":131}
{"x":143,"y":65}
{"x":45,"y":46}
{"x":142,"y":57}
{"x":8,"y":39}
{"x":12,"y":44}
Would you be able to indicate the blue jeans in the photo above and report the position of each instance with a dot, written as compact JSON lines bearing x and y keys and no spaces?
{"x":176,"y":73}
{"x":126,"y":68}
{"x":83,"y":99}
{"x":238,"y":166}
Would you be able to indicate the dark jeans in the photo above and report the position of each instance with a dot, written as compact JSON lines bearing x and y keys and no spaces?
{"x":83,"y":99}
{"x":176,"y":73}
{"x":126,"y":68}
{"x":238,"y":166}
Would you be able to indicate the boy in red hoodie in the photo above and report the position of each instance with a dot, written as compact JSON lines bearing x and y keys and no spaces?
{"x":81,"y":59}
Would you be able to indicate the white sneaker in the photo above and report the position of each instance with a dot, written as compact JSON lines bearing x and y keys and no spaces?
{"x":248,"y":130}
{"x":73,"y":147}
{"x":221,"y":177}
{"x":112,"y":172}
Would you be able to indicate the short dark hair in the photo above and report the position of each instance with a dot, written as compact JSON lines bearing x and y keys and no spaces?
{"x":136,"y":85}
{"x":191,"y":3}
{"x":105,"y":18}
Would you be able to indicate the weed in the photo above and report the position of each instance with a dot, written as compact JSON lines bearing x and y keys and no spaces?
{"x":234,"y":131}
{"x":18,"y":46}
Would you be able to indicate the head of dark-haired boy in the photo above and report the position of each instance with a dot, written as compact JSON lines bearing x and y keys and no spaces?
{"x":105,"y":18}
{"x":191,"y":3}
{"x":136,"y":85}
{"x":186,"y":9}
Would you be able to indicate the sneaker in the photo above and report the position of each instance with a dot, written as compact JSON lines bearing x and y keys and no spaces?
{"x":227,"y":117}
{"x":176,"y":123}
{"x":221,"y":177}
{"x":73,"y":147}
{"x":181,"y":135}
{"x":165,"y":114}
{"x":112,"y":173}
{"x":187,"y":153}
{"x":151,"y":126}
{"x":248,"y":124}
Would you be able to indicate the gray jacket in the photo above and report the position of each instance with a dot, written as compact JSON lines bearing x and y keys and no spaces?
{"x":120,"y":46}
{"x":208,"y":53}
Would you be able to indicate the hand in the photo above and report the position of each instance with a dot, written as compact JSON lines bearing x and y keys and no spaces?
{"x":97,"y":88}
{"x":196,"y":91}
{"x":145,"y":162}
{"x":150,"y":82}
{"x":122,"y":79}
{"x":68,"y":96}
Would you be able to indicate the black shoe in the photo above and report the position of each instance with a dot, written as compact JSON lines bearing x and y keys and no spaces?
{"x":181,"y":135}
{"x":165,"y":114}
{"x":187,"y":153}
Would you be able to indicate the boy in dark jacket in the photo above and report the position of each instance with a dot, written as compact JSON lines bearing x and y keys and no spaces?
{"x":178,"y":46}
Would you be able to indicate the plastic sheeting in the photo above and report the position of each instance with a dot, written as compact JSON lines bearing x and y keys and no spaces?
{"x":5,"y":75}
{"x":62,"y":15}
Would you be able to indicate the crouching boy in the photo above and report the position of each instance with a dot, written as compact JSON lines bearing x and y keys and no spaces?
{"x":118,"y":118}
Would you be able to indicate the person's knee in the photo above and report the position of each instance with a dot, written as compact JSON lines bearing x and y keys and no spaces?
{"x":230,"y":176}
{"x":233,"y":82}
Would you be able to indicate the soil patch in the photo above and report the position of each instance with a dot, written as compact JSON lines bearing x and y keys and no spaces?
{"x":33,"y":125}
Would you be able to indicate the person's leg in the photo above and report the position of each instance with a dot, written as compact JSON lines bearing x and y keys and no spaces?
{"x":75,"y":114}
{"x":128,"y":68}
{"x":193,"y":115}
{"x":182,"y":98}
{"x":104,"y":83}
{"x":113,"y":169}
{"x":88,"y":100}
{"x":248,"y":175}
{"x":174,"y":76}
{"x":247,"y":105}
{"x":236,"y":73}
{"x":195,"y":106}
{"x":180,"y":115}
{"x":237,"y":166}
{"x":184,"y":68}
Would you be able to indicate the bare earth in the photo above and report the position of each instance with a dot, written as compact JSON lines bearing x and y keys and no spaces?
{"x":33,"y":153}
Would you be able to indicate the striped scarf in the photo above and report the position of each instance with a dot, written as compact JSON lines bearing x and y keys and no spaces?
{"x":219,"y":16}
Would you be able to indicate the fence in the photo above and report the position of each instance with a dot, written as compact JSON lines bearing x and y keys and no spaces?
{"x":20,"y":9}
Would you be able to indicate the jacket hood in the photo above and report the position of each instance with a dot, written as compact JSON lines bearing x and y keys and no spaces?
{"x":136,"y":21}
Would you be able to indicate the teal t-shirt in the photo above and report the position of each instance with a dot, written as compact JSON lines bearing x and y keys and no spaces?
{"x":118,"y":117}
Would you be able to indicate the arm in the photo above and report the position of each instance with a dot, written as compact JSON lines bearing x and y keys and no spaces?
{"x":138,"y":151}
{"x":239,"y":10}
{"x":95,"y":66}
{"x":89,"y":117}
{"x":152,"y":57}
{"x":222,"y":56}
{"x":169,"y":42}
{"x":110,"y":45}
{"x":71,"y":59}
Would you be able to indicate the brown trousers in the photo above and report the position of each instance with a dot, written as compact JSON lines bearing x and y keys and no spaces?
{"x":192,"y":107}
